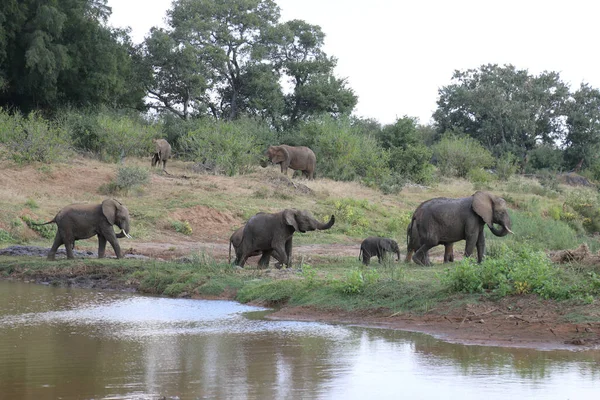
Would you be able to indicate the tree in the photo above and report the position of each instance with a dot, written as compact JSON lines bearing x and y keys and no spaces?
{"x":506,"y":109}
{"x":55,"y":53}
{"x":295,"y":49}
{"x":409,"y":157}
{"x":582,"y":142}
{"x":224,"y":34}
{"x":174,"y":75}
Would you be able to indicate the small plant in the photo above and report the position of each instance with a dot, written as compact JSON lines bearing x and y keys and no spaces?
{"x":183,"y":227}
{"x":357,"y":280}
{"x":5,"y":236}
{"x":45,"y":231}
{"x":31,"y":204}
{"x":128,"y":177}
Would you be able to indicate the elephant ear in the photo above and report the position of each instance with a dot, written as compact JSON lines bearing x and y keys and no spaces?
{"x":109,"y":209}
{"x":289,"y":218}
{"x":280,"y":154}
{"x":483,"y":206}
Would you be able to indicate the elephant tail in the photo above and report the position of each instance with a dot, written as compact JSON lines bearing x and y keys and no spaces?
{"x":229,"y":259}
{"x":359,"y":253}
{"x":53,"y":221}
{"x":409,"y":230}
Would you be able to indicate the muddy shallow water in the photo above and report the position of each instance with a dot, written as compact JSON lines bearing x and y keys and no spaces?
{"x":82,"y":344}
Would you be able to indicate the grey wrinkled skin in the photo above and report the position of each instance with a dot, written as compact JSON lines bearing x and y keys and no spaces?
{"x":297,"y":158}
{"x":82,"y":221}
{"x":162,"y":152}
{"x":235,"y":241}
{"x":446,"y":221}
{"x":413,"y":240}
{"x":377,"y":246}
{"x":272,"y":234}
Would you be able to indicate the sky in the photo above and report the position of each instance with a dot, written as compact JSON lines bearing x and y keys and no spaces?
{"x":397,"y":54}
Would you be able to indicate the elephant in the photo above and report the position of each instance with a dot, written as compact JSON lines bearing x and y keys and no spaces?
{"x":272,"y":234}
{"x":236,"y":240}
{"x":162,"y":153}
{"x":82,"y":221}
{"x":297,"y":158}
{"x":445,"y":221}
{"x":377,"y":246}
{"x":413,"y":241}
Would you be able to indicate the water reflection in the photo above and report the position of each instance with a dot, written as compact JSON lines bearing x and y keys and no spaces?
{"x":72,"y":343}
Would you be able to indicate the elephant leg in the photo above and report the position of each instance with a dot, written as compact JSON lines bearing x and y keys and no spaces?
{"x":279,"y":254}
{"x":409,"y":255}
{"x":366,"y":257}
{"x":264,"y":259}
{"x":471,"y":241}
{"x":101,"y":246}
{"x":481,"y":246}
{"x":115,"y":245}
{"x":69,"y":245}
{"x":288,"y":252}
{"x":57,"y":242}
{"x":449,"y":253}
{"x":421,"y":256}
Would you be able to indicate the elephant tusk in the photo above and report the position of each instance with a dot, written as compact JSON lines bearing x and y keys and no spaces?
{"x":127,"y":235}
{"x":509,"y":231}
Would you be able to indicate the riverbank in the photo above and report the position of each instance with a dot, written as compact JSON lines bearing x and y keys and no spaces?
{"x":513,"y":321}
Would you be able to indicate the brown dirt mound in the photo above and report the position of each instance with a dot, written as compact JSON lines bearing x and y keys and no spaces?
{"x":207,"y":222}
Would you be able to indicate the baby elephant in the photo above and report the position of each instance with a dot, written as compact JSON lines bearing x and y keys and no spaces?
{"x":377,"y":246}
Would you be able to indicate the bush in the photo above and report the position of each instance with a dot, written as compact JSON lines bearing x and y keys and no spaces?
{"x":343,"y":152}
{"x":110,"y":135}
{"x":517,"y":271}
{"x":128,"y":177}
{"x":457,"y":155}
{"x":234,"y":147}
{"x":506,"y":166}
{"x":587,"y":205}
{"x":183,"y":227}
{"x":480,"y":175}
{"x":33,"y":139}
{"x":545,"y":157}
{"x":45,"y":231}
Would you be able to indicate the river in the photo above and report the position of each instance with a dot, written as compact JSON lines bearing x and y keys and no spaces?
{"x":68,"y":343}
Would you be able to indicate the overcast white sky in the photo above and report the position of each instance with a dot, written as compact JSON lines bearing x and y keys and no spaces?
{"x":396,"y":54}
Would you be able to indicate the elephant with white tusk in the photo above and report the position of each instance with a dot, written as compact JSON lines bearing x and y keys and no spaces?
{"x":82,"y":221}
{"x":445,"y":221}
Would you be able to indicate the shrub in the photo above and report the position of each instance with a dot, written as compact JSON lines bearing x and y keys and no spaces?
{"x":517,"y":271}
{"x":457,"y":155}
{"x":45,"y":231}
{"x":234,"y":147}
{"x":343,"y":152}
{"x":33,"y":139}
{"x":109,"y":134}
{"x":545,"y":157}
{"x":129,"y":176}
{"x":479,"y":175}
{"x":5,"y":236}
{"x":586,"y":204}
{"x":506,"y":166}
{"x":183,"y":227}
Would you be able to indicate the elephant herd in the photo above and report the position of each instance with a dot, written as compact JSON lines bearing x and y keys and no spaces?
{"x":434,"y":222}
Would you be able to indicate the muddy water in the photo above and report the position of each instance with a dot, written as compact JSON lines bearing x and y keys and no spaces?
{"x":82,"y":344}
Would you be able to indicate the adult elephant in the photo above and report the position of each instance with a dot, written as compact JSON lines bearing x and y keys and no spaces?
{"x":272,"y":234}
{"x":235,"y":241}
{"x":82,"y":221}
{"x":162,"y":152}
{"x":446,"y":220}
{"x":413,"y":240}
{"x":297,"y":158}
{"x":377,"y":246}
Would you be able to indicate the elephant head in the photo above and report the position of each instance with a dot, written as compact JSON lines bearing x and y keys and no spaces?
{"x":117,"y":214}
{"x":392,"y":247}
{"x":492,"y":209}
{"x":303,"y":221}
{"x":277,"y":154}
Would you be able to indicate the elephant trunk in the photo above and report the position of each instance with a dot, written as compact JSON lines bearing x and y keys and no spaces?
{"x":322,"y":225}
{"x":123,"y":234}
{"x":505,"y":230}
